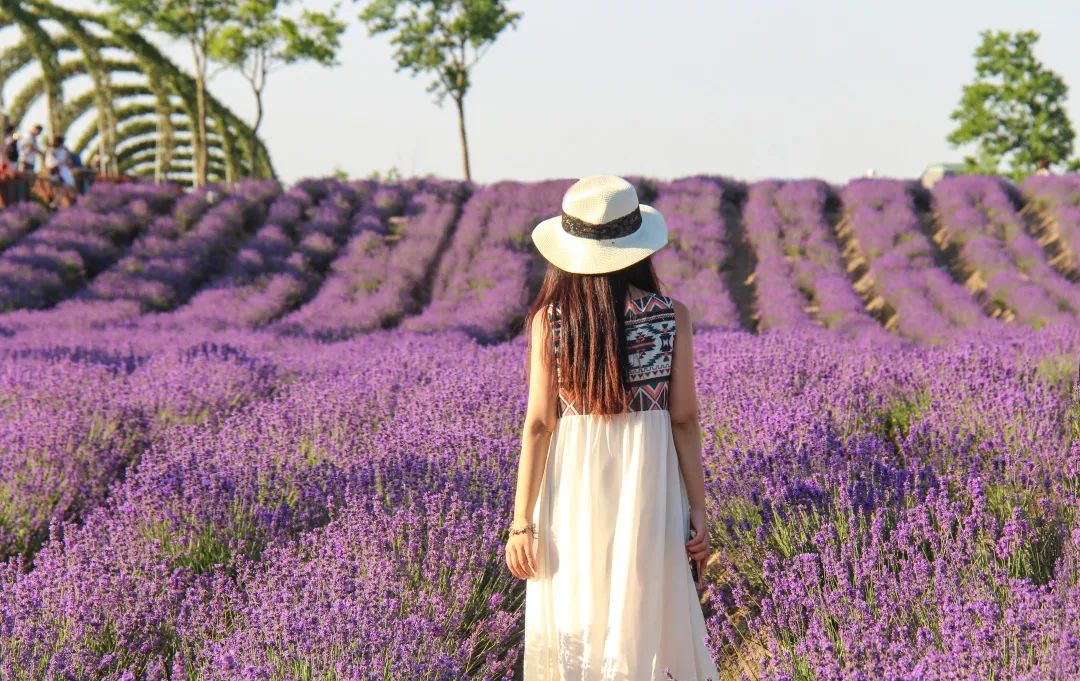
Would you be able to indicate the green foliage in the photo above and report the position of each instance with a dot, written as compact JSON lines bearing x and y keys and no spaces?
{"x":392,"y":175}
{"x":194,"y":22}
{"x":45,"y":52}
{"x":1014,"y":110}
{"x":142,"y":113}
{"x":442,"y":38}
{"x":895,"y":419}
{"x":257,"y":39}
{"x":436,"y":36}
{"x":314,"y":37}
{"x":181,"y":19}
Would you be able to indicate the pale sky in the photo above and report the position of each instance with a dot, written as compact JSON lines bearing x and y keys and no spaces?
{"x":825,"y":89}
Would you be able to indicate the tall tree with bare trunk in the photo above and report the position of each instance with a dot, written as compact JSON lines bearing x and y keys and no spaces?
{"x":194,"y":22}
{"x":444,"y":38}
{"x":260,"y":38}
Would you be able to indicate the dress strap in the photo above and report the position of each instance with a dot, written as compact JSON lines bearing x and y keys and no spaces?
{"x":554,"y":319}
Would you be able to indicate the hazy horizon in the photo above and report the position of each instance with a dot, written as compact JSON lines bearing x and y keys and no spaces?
{"x":664,"y":90}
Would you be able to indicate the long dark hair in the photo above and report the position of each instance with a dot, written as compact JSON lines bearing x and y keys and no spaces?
{"x":592,"y":354}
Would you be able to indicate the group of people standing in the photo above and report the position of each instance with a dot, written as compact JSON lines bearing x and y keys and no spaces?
{"x":24,"y":154}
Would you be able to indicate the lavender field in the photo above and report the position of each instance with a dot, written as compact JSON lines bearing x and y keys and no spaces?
{"x":267,"y":432}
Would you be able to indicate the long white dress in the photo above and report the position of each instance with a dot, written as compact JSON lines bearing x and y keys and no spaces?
{"x":613,"y":598}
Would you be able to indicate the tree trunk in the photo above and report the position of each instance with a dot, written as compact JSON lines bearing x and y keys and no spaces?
{"x":201,"y":145}
{"x":464,"y":142}
{"x":254,"y":142}
{"x":159,"y":156}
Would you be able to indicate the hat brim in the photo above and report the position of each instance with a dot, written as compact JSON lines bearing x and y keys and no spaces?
{"x":582,"y":255}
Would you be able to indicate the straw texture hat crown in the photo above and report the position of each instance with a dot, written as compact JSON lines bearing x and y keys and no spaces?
{"x":603,"y":228}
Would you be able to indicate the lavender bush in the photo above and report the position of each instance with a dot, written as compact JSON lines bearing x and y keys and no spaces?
{"x":284,"y":537}
{"x":167,"y":265}
{"x":382,"y":275}
{"x":692,"y":267}
{"x":19,"y":220}
{"x":915,"y":296}
{"x":202,"y":494}
{"x":1009,"y":269}
{"x":79,"y":421}
{"x":483,"y":282}
{"x":800,"y":279}
{"x":50,"y":263}
{"x":1055,"y":202}
{"x":280,"y":265}
{"x":818,"y":268}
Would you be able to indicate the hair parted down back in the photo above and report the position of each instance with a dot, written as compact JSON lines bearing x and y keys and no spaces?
{"x":592,"y":351}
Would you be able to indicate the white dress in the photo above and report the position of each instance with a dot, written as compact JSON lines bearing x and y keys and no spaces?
{"x":613,"y":598}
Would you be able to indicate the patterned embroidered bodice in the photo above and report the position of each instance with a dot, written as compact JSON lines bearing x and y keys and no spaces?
{"x":650,"y":340}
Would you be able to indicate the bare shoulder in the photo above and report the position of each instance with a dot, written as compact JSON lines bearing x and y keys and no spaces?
{"x":536,"y":324}
{"x":682,"y":313}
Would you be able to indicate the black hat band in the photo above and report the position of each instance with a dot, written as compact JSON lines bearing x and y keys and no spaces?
{"x":612,"y":229}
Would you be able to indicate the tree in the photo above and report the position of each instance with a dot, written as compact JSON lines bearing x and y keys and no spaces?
{"x":259,"y":40}
{"x":192,"y":21}
{"x":1014,"y":110}
{"x":122,"y":100}
{"x":444,"y":38}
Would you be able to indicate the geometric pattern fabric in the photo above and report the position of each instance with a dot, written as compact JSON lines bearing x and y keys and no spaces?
{"x":650,"y":340}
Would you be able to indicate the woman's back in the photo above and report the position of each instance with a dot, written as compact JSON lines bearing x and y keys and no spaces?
{"x":613,"y":597}
{"x":649,"y":338}
{"x":610,"y":594}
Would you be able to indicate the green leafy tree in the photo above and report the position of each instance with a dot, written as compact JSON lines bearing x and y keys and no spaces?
{"x":194,"y":22}
{"x":1014,"y":110}
{"x":259,"y":39}
{"x":444,"y":38}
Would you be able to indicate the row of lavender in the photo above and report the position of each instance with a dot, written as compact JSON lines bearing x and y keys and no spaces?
{"x":1001,"y":261}
{"x":326,"y":259}
{"x":45,"y":261}
{"x":243,"y":505}
{"x":801,"y":280}
{"x":331,"y":259}
{"x":901,"y":271}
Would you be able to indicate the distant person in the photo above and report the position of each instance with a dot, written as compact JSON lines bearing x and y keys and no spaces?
{"x":81,"y":172}
{"x":29,"y":151}
{"x":58,"y":162}
{"x":10,"y":158}
{"x":1043,"y":167}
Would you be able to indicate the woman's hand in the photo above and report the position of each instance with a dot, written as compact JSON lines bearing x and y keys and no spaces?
{"x":698,"y":545}
{"x":519,"y":555}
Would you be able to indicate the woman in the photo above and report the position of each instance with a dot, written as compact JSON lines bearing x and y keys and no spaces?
{"x":610,"y":492}
{"x":60,"y":192}
{"x":58,"y":162}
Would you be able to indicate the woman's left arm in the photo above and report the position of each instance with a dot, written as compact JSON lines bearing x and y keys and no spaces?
{"x":540,"y":418}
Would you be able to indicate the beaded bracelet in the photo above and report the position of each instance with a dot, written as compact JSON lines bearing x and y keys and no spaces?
{"x":530,"y":528}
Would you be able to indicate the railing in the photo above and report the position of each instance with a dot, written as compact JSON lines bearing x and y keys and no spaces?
{"x":26,"y":186}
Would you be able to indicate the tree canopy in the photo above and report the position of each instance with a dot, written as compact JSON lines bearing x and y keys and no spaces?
{"x":443,"y":38}
{"x":137,"y":109}
{"x":260,"y":39}
{"x":192,"y":21}
{"x":1013,"y":112}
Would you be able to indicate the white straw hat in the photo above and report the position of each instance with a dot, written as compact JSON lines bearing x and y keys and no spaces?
{"x":602,"y":228}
